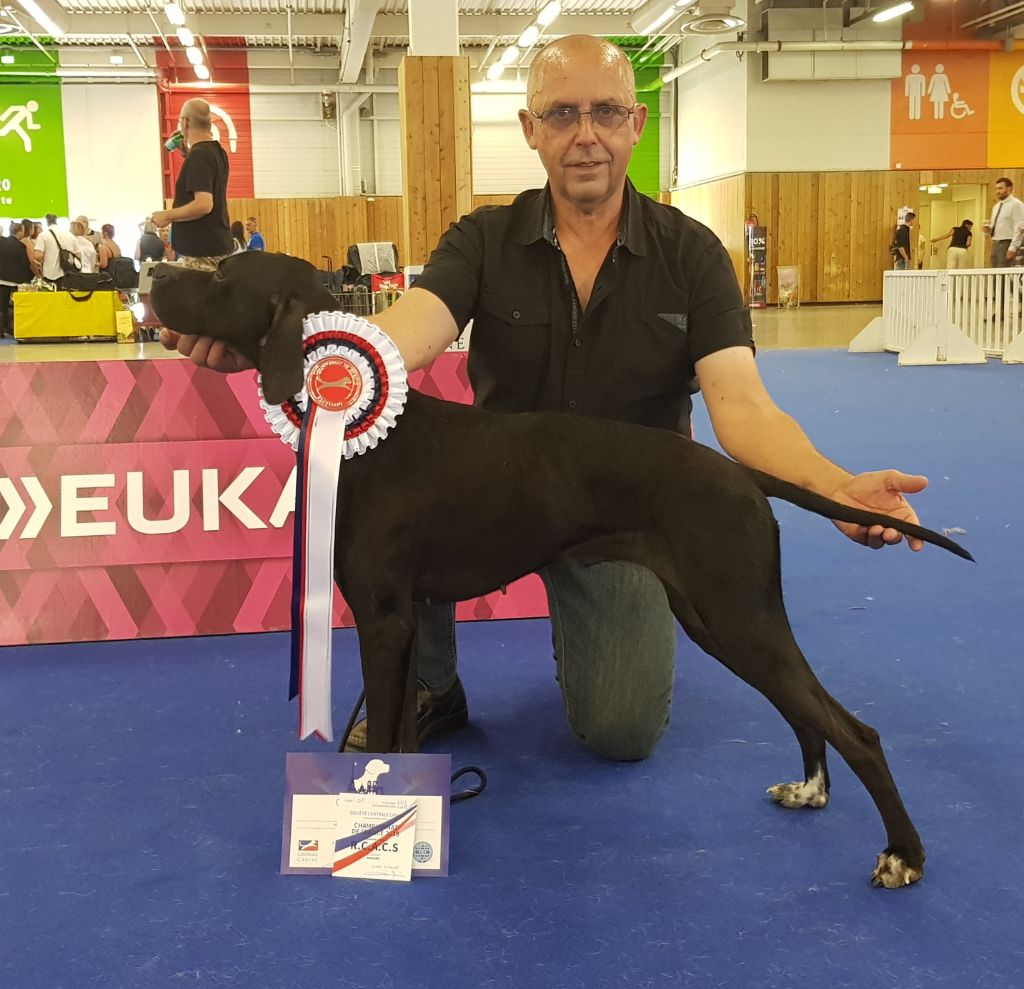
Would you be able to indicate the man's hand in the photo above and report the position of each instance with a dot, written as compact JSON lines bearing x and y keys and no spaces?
{"x":161,"y":217}
{"x":880,"y":491}
{"x":204,"y":351}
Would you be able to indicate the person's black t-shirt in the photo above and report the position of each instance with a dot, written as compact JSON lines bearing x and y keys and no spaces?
{"x":960,"y":236}
{"x":205,"y":170}
{"x":14,"y":266}
{"x":151,"y":248}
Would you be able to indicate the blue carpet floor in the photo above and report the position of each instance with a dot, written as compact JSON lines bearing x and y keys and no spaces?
{"x":141,"y":783}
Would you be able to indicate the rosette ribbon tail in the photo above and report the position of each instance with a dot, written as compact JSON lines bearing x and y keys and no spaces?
{"x":317,"y":490}
{"x":355,"y":389}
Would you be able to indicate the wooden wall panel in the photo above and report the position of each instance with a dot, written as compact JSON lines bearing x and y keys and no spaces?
{"x":437,"y":165}
{"x":836,"y":226}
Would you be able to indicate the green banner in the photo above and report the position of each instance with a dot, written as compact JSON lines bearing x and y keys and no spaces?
{"x":33,"y":171}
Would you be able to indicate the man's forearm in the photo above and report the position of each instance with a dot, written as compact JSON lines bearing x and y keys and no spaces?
{"x":773,"y":442}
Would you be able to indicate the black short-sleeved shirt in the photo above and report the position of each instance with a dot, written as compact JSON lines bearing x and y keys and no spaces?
{"x":205,"y":170}
{"x":665,"y":296}
{"x":14,"y":266}
{"x":903,"y":238}
{"x":960,"y":236}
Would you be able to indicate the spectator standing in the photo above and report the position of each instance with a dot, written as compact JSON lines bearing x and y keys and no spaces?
{"x":30,"y":246}
{"x":201,"y":231}
{"x":165,"y":239}
{"x":48,"y":251}
{"x":15,"y":270}
{"x":238,"y":237}
{"x":902,"y":242}
{"x":959,"y":242}
{"x":150,"y":247}
{"x":93,"y":236}
{"x":1007,"y":216}
{"x":86,"y":248}
{"x":256,"y":241}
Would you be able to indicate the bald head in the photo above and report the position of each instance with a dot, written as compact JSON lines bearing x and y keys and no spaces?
{"x":197,"y":113}
{"x":558,"y":60}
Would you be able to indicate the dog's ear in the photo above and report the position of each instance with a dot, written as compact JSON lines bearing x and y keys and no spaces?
{"x":281,"y":356}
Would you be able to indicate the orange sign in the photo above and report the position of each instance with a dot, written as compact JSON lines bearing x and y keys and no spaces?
{"x":940,"y":114}
{"x":1006,"y":110}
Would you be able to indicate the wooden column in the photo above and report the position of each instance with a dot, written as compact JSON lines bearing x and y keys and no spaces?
{"x":437,"y":163}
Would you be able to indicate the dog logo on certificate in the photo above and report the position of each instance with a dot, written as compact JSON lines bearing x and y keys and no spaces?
{"x":335,"y":383}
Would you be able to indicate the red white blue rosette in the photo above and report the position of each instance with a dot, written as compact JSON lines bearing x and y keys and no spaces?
{"x":374,"y":353}
{"x":354,"y":389}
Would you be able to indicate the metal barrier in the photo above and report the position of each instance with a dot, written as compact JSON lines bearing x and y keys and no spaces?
{"x":949,"y":317}
{"x":362,"y":302}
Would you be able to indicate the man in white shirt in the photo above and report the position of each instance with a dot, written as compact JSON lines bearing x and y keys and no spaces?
{"x":48,"y":254}
{"x":1007,"y":217}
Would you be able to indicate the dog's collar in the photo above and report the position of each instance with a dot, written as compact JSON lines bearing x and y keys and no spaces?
{"x":379,"y":380}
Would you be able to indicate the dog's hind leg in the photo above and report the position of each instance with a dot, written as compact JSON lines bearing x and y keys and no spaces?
{"x":386,"y":649}
{"x":760,"y":649}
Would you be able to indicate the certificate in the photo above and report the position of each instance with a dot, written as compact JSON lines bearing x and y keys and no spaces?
{"x":322,"y":788}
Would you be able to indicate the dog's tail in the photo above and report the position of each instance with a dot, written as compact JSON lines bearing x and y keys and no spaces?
{"x":775,"y":487}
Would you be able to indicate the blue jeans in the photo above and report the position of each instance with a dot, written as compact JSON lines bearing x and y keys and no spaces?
{"x":900,"y":265}
{"x":614,"y":639}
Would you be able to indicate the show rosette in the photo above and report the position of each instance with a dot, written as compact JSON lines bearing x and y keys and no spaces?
{"x":355,"y":387}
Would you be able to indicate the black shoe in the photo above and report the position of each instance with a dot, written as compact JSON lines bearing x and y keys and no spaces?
{"x":435,"y":715}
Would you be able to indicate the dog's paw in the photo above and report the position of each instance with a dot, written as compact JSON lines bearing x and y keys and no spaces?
{"x":892,"y":871}
{"x":809,"y":793}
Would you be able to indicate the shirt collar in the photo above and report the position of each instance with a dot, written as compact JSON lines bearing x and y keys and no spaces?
{"x":540,"y":222}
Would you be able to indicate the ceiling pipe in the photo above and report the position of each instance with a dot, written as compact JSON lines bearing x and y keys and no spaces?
{"x":995,"y":15}
{"x":824,"y":46}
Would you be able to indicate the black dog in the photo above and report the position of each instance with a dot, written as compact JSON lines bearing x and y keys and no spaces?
{"x":457,"y":502}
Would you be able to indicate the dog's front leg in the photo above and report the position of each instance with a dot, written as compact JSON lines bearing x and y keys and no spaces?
{"x":389,"y":677}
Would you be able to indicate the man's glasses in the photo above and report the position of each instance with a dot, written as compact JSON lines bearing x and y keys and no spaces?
{"x":608,"y":116}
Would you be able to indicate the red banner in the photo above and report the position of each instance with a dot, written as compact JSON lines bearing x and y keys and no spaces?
{"x":148,"y":499}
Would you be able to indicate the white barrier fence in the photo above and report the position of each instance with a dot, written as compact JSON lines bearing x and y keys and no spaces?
{"x":949,"y":317}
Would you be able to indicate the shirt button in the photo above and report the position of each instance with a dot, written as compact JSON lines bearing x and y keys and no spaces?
{"x":515,"y":314}
{"x":577,"y":342}
{"x":572,"y":403}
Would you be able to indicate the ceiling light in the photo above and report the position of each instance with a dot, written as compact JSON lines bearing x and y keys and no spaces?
{"x":509,"y":55}
{"x":6,"y":60}
{"x":549,"y":13}
{"x":934,"y":190}
{"x":529,"y":37}
{"x":656,"y":14}
{"x":186,"y":37}
{"x":117,"y":59}
{"x":891,"y":13}
{"x":173,"y":13}
{"x":48,"y":14}
{"x":201,"y":71}
{"x":495,"y":71}
{"x":194,"y":55}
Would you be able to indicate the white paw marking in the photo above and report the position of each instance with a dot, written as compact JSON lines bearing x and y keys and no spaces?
{"x":892,"y":872}
{"x":810,"y":793}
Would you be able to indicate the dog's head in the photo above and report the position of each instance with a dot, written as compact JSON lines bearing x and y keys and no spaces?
{"x":254,"y":302}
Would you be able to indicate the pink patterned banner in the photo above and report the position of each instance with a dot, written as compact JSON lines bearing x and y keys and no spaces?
{"x":149,"y":499}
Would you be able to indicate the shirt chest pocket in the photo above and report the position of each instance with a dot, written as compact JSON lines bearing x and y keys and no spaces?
{"x":514,"y":310}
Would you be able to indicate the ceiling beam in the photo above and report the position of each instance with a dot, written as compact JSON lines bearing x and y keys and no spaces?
{"x":332,"y":25}
{"x":359,"y":18}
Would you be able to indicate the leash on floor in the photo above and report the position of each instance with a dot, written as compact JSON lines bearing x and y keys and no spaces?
{"x":467,"y":794}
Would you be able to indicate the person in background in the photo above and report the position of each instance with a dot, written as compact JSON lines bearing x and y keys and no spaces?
{"x":149,"y":247}
{"x":1007,"y":216}
{"x":86,"y":248}
{"x":238,"y":237}
{"x":604,"y":271}
{"x":902,"y":242}
{"x":94,"y":236}
{"x":959,"y":242}
{"x":165,"y":239}
{"x":15,"y":270}
{"x":201,"y":231}
{"x":48,"y":251}
{"x":108,"y":240}
{"x":256,"y":241}
{"x":29,"y":243}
